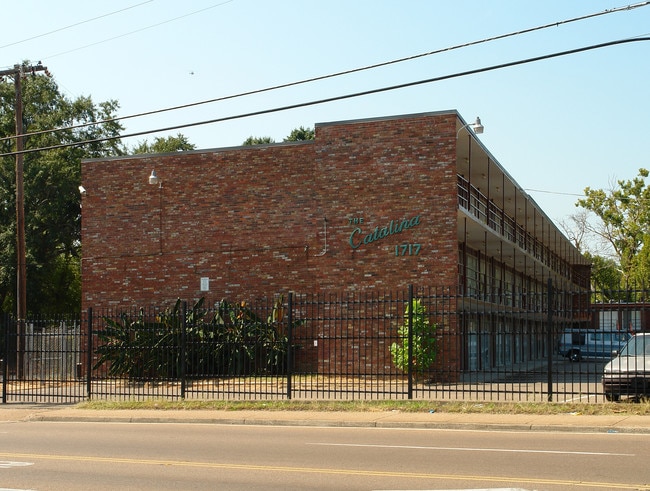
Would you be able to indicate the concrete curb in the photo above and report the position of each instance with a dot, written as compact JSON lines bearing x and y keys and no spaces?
{"x":393,"y":419}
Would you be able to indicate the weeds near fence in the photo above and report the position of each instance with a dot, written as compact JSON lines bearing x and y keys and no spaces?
{"x":577,"y":409}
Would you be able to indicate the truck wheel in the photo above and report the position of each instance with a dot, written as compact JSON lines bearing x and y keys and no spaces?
{"x":574,"y":356}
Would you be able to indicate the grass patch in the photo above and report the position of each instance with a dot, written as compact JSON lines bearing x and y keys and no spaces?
{"x":623,"y":408}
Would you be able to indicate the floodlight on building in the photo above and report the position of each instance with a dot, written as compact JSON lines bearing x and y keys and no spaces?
{"x":153,"y":178}
{"x":476,"y":126}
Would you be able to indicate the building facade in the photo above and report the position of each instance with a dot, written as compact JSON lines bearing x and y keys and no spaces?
{"x":368,"y":204}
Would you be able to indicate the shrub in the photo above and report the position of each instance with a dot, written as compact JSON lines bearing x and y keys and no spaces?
{"x":229,"y":340}
{"x":424,"y":342}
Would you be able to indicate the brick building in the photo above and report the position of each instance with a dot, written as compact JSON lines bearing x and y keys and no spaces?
{"x":368,"y":204}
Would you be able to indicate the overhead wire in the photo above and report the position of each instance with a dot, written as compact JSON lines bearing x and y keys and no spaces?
{"x":139,"y":30}
{"x":338,"y":98}
{"x":335,"y":74}
{"x":582,"y":195}
{"x":554,"y":192}
{"x":75,"y":24}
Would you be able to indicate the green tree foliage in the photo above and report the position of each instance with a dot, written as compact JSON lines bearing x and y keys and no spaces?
{"x":297,"y":134}
{"x":424,"y":341}
{"x":605,"y":278}
{"x":51,"y":180}
{"x":178,"y":143}
{"x":625,"y":216}
{"x":642,"y":264}
{"x":258,"y":140}
{"x":300,"y":134}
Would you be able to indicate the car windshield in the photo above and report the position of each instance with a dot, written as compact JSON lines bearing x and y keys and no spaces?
{"x":637,"y":346}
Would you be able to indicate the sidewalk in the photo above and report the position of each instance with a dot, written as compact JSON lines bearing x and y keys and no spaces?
{"x":392,"y":419}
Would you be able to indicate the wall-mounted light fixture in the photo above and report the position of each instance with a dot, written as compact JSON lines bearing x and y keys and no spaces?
{"x":154,"y":179}
{"x":82,"y":190}
{"x":476,"y":126}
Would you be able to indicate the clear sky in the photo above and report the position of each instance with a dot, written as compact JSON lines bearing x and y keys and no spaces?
{"x":557,"y":126}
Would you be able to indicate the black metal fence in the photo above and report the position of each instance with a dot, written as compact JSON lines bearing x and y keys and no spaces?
{"x":425,"y":344}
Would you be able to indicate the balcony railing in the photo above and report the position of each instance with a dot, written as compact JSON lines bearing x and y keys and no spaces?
{"x":478,"y":205}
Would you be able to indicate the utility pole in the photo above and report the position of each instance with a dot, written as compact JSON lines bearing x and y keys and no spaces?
{"x":17,"y":73}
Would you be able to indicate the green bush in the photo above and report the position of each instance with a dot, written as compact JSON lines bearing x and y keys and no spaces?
{"x":246,"y":344}
{"x":229,"y":340}
{"x":424,"y":342}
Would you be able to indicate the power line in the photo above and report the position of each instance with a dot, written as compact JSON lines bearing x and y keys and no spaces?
{"x":342,"y":97}
{"x":74,"y":25}
{"x":337,"y":74}
{"x":554,"y":192}
{"x":139,"y":30}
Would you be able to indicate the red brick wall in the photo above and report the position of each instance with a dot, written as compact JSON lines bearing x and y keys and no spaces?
{"x":251,"y":219}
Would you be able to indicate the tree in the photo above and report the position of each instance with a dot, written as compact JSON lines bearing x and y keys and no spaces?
{"x":578,"y":229}
{"x":51,"y":180}
{"x":178,"y":143}
{"x":297,"y":134}
{"x":605,"y":277}
{"x":624,"y":214}
{"x":258,"y":140}
{"x":300,"y":134}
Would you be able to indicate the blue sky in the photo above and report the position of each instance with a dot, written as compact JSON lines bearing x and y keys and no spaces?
{"x":557,"y":126}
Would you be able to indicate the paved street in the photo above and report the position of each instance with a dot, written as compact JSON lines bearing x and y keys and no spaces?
{"x":304,"y":451}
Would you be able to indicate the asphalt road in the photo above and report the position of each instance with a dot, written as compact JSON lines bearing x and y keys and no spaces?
{"x":175,"y":456}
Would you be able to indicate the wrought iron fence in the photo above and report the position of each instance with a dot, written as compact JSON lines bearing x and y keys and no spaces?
{"x":418,"y":344}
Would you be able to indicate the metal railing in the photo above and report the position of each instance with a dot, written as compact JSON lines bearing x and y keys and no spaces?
{"x":418,"y":344}
{"x":487,"y":212}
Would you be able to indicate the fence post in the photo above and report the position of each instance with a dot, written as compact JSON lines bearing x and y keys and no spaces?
{"x":181,"y":368}
{"x":549,"y":340}
{"x":289,"y":344}
{"x":410,"y":340}
{"x":89,"y":351}
{"x":3,"y":360}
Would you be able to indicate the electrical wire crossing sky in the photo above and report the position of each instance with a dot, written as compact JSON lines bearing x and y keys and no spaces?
{"x":557,"y":125}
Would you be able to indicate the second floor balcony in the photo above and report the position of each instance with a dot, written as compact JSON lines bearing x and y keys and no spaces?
{"x":538,"y":239}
